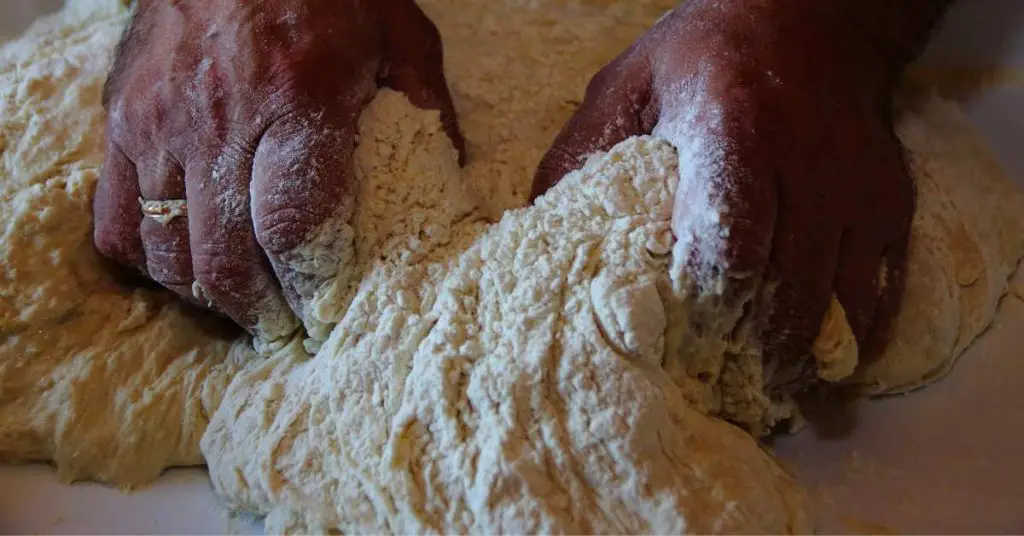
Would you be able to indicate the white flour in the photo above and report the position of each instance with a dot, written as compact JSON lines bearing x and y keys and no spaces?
{"x":483,"y":379}
{"x":527,"y":376}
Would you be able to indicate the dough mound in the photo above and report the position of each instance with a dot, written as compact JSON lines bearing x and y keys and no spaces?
{"x":966,"y":242}
{"x":495,"y":379}
{"x":518,"y":376}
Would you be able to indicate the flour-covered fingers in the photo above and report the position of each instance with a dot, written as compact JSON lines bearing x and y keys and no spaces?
{"x":231,"y":272}
{"x":726,"y":204}
{"x":303,"y":198}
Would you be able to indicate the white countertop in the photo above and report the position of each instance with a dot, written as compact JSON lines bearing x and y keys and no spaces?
{"x":948,"y":459}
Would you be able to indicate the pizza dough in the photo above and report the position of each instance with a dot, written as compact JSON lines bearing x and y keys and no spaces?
{"x":481,"y":378}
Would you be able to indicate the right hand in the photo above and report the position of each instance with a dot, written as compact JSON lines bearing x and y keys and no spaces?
{"x":247,"y":111}
{"x":791,"y":175}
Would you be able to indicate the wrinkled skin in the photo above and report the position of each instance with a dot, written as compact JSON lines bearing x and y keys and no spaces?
{"x":248,"y":111}
{"x":794,"y":107}
{"x":808,"y":171}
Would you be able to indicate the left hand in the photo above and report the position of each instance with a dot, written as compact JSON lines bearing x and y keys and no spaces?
{"x":246,"y":113}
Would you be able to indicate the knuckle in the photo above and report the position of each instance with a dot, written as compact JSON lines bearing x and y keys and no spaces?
{"x":218,"y":273}
{"x":747,"y":117}
{"x":133,"y":125}
{"x":171,"y":250}
{"x":118,"y":123}
{"x":603,"y":78}
{"x":282,"y":229}
{"x":107,"y":242}
{"x":169,"y":266}
{"x":231,"y":283}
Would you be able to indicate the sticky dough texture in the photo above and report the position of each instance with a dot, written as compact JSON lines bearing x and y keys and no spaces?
{"x":485,"y":378}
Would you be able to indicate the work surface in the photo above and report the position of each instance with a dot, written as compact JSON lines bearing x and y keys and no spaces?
{"x":943,"y":460}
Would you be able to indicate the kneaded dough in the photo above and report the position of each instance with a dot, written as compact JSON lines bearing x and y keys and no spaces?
{"x":966,"y":242}
{"x":468,"y":385}
{"x":835,"y":351}
{"x":481,"y":378}
{"x":494,"y":378}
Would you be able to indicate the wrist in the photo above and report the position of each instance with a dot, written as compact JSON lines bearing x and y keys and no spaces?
{"x":854,"y":42}
{"x":875,"y":39}
{"x":899,"y":30}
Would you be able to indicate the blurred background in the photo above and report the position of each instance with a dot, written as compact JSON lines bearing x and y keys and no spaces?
{"x":15,"y":15}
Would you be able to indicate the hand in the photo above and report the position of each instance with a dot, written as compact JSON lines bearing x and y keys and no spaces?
{"x":244,"y":114}
{"x":790,"y":172}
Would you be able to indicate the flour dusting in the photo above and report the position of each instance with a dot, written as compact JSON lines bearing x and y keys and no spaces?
{"x":485,"y":378}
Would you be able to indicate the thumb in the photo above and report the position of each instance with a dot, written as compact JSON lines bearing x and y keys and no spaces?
{"x":615,"y":107}
{"x":414,"y":65}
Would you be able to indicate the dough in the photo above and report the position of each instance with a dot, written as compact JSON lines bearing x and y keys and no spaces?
{"x":835,"y":350}
{"x":494,"y":379}
{"x":966,"y":241}
{"x":515,"y":377}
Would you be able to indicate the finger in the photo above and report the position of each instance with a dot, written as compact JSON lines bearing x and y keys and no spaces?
{"x":164,"y":227}
{"x":724,"y":215}
{"x":805,"y":248}
{"x":892,"y":282}
{"x":303,"y":199}
{"x":116,"y":211}
{"x":613,"y":108}
{"x":856,"y":280}
{"x":862,"y":280}
{"x":228,"y":264}
{"x":803,"y":263}
{"x":414,"y":64}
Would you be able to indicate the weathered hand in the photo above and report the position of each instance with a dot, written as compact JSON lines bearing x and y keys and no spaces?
{"x":244,"y":114}
{"x":793,"y":185}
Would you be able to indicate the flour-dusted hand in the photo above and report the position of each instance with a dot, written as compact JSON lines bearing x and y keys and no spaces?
{"x":793,"y":184}
{"x":230,"y":133}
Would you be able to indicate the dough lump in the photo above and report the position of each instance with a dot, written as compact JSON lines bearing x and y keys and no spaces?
{"x":494,"y":378}
{"x":967,"y":239}
{"x":479,"y":377}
